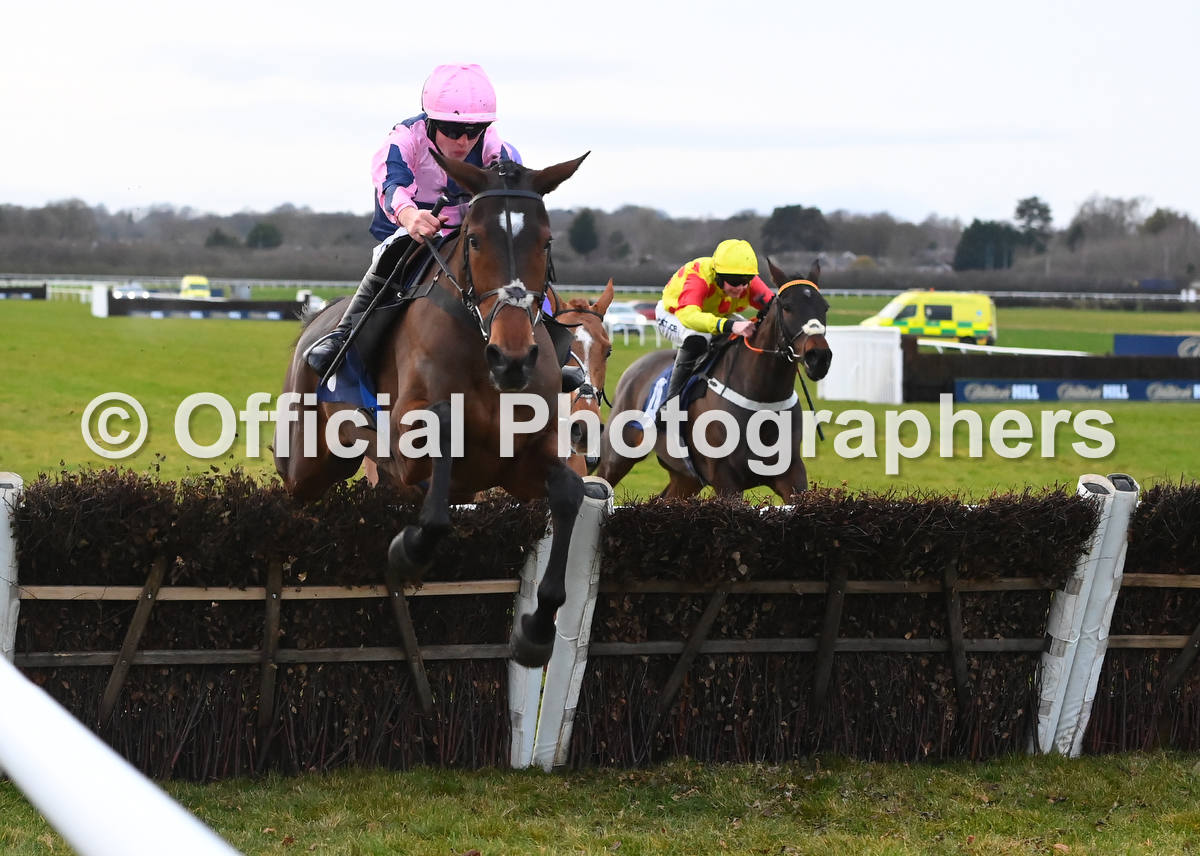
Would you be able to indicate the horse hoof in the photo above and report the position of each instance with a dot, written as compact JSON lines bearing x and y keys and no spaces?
{"x":401,"y":552}
{"x":527,"y":652}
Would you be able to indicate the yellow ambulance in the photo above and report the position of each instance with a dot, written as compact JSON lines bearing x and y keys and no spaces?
{"x":962,"y":315}
{"x":194,"y":286}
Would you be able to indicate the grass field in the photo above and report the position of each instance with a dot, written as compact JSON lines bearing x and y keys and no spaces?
{"x":1131,"y":804}
{"x":58,"y":358}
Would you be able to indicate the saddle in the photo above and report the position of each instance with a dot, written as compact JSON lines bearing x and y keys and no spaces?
{"x":695,"y":385}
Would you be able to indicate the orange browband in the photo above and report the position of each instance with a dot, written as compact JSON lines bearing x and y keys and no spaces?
{"x":797,"y":282}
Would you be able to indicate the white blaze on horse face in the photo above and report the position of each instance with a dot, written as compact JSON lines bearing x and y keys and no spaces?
{"x":518,"y":222}
{"x":584,"y":338}
{"x":813,"y":327}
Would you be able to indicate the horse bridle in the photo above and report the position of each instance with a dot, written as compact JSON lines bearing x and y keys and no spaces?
{"x":786,"y":341}
{"x":513,"y":294}
{"x":586,"y":390}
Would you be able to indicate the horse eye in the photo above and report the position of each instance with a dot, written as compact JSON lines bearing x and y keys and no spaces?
{"x":473,"y":242}
{"x":608,"y":353}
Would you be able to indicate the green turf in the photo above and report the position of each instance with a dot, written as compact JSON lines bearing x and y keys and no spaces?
{"x":1125,"y":804}
{"x":58,"y":358}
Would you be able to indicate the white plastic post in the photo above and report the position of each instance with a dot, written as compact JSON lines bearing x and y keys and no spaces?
{"x":98,"y":803}
{"x":99,"y":300}
{"x":1066,"y":616}
{"x":1093,"y":634}
{"x":10,"y":603}
{"x":524,"y":683}
{"x":573,"y":629}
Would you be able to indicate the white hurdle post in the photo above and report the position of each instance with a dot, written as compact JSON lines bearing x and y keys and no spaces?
{"x":1066,"y":616}
{"x":524,"y":683}
{"x":572,"y":629}
{"x":10,"y":603}
{"x":542,"y":701}
{"x":1097,"y":617}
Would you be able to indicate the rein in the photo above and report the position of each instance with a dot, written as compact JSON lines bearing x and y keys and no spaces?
{"x":787,"y":352}
{"x":512,"y":294}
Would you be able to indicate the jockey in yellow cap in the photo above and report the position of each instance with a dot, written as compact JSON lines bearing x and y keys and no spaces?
{"x":700,"y":300}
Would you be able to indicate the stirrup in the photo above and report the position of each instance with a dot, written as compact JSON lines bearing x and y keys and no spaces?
{"x":335,"y":338}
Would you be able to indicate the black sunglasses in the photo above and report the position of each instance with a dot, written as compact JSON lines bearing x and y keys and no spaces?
{"x":736,"y":280}
{"x":456,"y":130}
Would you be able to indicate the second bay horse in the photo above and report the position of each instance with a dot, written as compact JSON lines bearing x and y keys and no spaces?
{"x":753,"y":378}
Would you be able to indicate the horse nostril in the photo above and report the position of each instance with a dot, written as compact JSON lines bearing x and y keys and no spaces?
{"x":494,"y":356}
{"x":817,"y":362}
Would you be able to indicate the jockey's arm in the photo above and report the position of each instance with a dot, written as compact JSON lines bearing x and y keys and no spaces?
{"x":695,"y":318}
{"x":760,"y":294}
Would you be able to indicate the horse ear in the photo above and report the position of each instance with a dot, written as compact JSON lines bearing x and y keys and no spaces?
{"x":545,"y":180}
{"x":776,"y":274}
{"x":814,"y":272}
{"x":470,"y":177}
{"x":606,"y":297}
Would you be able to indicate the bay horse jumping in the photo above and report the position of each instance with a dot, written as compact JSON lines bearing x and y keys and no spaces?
{"x":590,"y":349}
{"x":751,"y":375}
{"x":475,"y":336}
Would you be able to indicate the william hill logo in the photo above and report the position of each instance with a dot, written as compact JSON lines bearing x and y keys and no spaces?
{"x":987,"y":392}
{"x":1079,"y":392}
{"x":1164,"y":391}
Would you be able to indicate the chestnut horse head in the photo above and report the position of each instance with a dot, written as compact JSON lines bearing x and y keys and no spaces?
{"x":590,"y":349}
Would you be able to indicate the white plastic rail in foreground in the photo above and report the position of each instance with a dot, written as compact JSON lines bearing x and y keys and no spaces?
{"x":1081,"y":609}
{"x":10,"y":494}
{"x":542,"y":701}
{"x":98,"y":803}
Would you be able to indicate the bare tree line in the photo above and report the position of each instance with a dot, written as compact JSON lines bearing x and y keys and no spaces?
{"x":1108,"y":241}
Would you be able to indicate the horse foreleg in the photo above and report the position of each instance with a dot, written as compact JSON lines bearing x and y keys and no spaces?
{"x":794,"y":481}
{"x":614,"y":466}
{"x":533,"y":633}
{"x":413,"y":547}
{"x":680,"y":486}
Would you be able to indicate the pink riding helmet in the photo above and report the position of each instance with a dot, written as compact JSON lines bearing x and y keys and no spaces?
{"x":459,"y":93}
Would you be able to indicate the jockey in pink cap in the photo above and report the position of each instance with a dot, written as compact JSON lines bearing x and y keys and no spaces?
{"x":458,"y":107}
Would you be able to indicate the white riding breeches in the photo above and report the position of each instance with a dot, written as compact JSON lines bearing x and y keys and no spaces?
{"x":671,"y":328}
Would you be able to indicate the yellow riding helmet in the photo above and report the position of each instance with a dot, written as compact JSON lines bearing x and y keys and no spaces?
{"x":735,"y":257}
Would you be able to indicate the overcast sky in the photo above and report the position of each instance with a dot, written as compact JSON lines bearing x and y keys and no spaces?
{"x":699,"y":109}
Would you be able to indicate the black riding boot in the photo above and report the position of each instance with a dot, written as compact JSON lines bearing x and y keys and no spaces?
{"x":691,"y":353}
{"x":322,"y":354}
